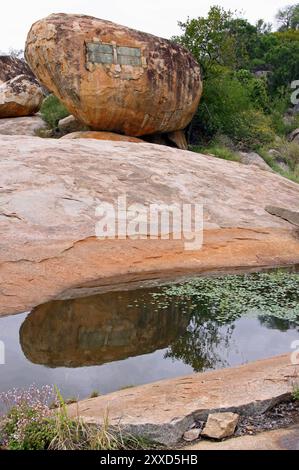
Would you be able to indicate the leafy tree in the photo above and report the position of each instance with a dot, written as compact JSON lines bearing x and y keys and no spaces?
{"x":288,"y":17}
{"x":284,"y":63}
{"x":263,"y":27}
{"x":222,"y":39}
{"x":208,"y":40}
{"x":237,"y":102}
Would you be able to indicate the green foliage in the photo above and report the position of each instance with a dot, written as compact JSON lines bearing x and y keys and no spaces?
{"x":37,"y":427}
{"x":245,"y":107}
{"x":257,"y":89}
{"x":27,"y":428}
{"x":218,"y":150}
{"x":53,"y":110}
{"x":206,"y":38}
{"x":288,"y":17}
{"x":290,"y":155}
{"x":284,"y":63}
{"x":228,"y":107}
{"x":296,"y":393}
{"x":220,"y":39}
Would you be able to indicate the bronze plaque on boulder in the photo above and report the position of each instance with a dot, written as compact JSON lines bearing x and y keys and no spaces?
{"x":100,"y":53}
{"x":110,"y":54}
{"x":129,"y":56}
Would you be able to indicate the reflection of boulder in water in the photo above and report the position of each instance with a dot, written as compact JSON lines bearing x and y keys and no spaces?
{"x":100,"y":329}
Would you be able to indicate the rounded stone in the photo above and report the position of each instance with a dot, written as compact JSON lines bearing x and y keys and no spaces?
{"x":113,"y":78}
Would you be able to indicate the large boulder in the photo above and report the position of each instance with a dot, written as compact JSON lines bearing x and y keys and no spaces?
{"x":51,"y":188}
{"x":20,"y":93}
{"x":114,"y":78}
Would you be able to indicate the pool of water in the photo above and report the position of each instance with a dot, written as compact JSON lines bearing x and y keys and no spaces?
{"x":112,"y":341}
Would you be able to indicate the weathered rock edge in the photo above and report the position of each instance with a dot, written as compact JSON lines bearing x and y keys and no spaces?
{"x":49,"y":190}
{"x":164,"y":411}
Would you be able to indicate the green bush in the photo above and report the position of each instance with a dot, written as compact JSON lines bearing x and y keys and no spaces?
{"x":290,"y":154}
{"x":227,"y":108}
{"x":247,"y":108}
{"x":257,"y":89}
{"x":31,"y":425}
{"x":27,"y":428}
{"x":253,"y":129}
{"x":218,"y":150}
{"x":53,"y":110}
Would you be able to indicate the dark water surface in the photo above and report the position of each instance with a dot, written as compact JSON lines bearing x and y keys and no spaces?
{"x":111,"y":341}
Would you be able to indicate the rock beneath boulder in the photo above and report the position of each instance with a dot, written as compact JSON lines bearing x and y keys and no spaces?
{"x":294,"y":136}
{"x":171,"y":139}
{"x":102,"y":136}
{"x":192,"y":435}
{"x":179,"y":139}
{"x":28,"y":125}
{"x":254,"y":159}
{"x":221,"y":425}
{"x":20,"y":93}
{"x":71,"y":124}
{"x":114,"y":78}
{"x":50,"y":190}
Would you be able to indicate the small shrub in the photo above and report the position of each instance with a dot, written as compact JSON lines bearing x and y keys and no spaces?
{"x":218,"y":150}
{"x":27,"y":422}
{"x":296,"y":393}
{"x":253,"y":129}
{"x":52,"y":110}
{"x":30,"y":424}
{"x":127,"y":387}
{"x":290,"y":153}
{"x":95,"y":394}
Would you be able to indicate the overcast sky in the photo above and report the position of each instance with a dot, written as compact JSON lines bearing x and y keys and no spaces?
{"x":158,"y":17}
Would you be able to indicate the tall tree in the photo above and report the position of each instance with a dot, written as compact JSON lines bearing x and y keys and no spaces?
{"x":288,"y":17}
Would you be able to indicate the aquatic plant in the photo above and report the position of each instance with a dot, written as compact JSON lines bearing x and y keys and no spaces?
{"x":224,"y":299}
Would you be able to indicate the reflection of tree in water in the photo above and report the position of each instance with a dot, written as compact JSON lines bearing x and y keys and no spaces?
{"x":214,"y":304}
{"x":202,"y":345}
{"x":274,"y":323}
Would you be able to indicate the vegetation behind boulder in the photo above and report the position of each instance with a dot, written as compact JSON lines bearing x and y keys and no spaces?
{"x":247,"y":70}
{"x":53,"y":110}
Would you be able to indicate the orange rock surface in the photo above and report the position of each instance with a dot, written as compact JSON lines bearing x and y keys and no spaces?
{"x":51,"y":189}
{"x":102,"y":136}
{"x":114,"y":78}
